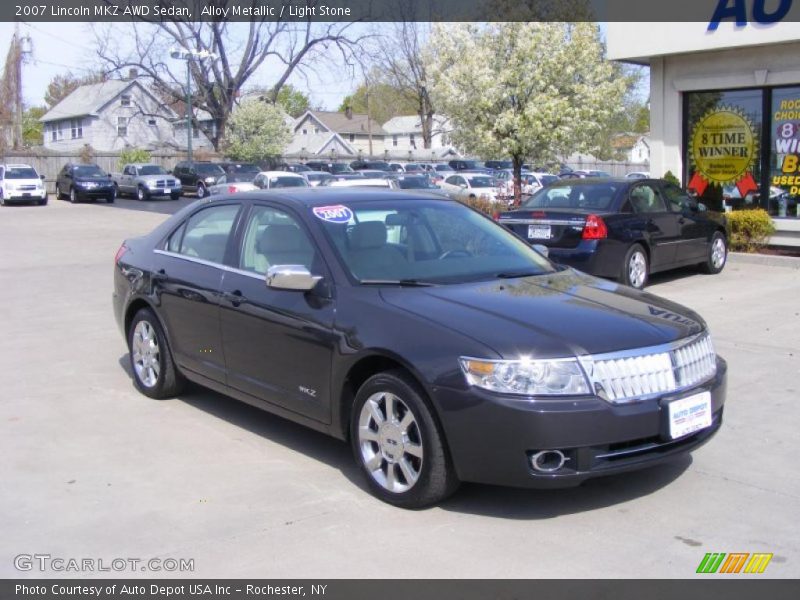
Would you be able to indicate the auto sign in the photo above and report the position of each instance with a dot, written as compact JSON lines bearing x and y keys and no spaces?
{"x":333,"y":214}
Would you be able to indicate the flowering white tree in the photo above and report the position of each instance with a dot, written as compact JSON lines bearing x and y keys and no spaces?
{"x":256,"y":130}
{"x":528,"y":90}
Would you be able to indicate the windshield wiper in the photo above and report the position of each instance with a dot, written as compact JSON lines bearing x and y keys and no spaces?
{"x":518,"y":274}
{"x":400,"y":282}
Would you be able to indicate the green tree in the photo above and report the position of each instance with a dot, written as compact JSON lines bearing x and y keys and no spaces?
{"x":527,"y":90}
{"x":385,"y":101}
{"x":62,"y":86}
{"x":31,"y":127}
{"x":642,"y":120}
{"x":256,"y":130}
{"x":293,"y":101}
{"x":133,"y":155}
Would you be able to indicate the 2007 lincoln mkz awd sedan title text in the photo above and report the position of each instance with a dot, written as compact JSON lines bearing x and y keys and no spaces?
{"x":437,"y":342}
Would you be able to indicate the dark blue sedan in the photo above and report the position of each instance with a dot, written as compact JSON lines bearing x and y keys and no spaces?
{"x":621,"y":228}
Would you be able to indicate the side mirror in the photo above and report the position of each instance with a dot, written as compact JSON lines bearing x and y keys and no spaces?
{"x":541,"y":249}
{"x":701,"y":207}
{"x":291,"y":277}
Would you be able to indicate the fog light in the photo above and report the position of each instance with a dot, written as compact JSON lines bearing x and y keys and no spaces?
{"x":548,"y":461}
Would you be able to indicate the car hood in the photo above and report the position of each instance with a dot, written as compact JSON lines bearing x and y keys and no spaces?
{"x":566,"y":313}
{"x":156,"y":177}
{"x":100,"y":180}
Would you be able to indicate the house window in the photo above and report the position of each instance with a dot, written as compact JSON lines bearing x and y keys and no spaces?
{"x":56,"y":133}
{"x":394,"y":140}
{"x":151,"y":122}
{"x":125,"y":100}
{"x":195,"y":133}
{"x":122,"y":126}
{"x":316,"y":129}
{"x":411,"y":140}
{"x":76,"y":128}
{"x":352,"y":137}
{"x":305,"y":131}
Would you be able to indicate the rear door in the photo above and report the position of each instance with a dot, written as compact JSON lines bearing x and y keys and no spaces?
{"x":188,"y":282}
{"x":657,"y":224}
{"x":695,"y":229}
{"x":278,"y":343}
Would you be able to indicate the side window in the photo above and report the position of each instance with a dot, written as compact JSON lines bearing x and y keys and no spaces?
{"x":273,"y":237}
{"x":207,"y":231}
{"x":676,"y":198}
{"x":174,"y":241}
{"x":646,"y":199}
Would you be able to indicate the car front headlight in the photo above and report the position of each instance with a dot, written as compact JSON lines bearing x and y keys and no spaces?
{"x":10,"y":186}
{"x":210,"y":179}
{"x":527,"y":377}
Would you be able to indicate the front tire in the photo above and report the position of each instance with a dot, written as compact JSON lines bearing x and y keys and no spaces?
{"x":398,"y":444}
{"x":635,"y":267}
{"x":201,"y":190}
{"x":43,"y":201}
{"x":73,"y":195}
{"x":142,"y":194}
{"x":175,"y":196}
{"x":717,"y":254}
{"x":154,"y":371}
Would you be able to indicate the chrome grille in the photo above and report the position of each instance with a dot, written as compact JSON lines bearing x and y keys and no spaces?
{"x":632,"y":375}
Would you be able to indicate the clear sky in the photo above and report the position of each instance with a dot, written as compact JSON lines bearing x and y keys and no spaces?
{"x":62,"y":47}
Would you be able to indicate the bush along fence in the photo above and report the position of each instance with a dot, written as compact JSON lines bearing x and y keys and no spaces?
{"x":750,"y":229}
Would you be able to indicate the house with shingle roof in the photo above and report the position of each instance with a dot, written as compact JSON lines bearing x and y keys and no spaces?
{"x":341,"y":134}
{"x":632,"y":147}
{"x":404,"y":139}
{"x":114,"y":115}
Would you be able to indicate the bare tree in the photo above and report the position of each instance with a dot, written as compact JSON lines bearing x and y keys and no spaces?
{"x":289,"y":48}
{"x":399,"y":57}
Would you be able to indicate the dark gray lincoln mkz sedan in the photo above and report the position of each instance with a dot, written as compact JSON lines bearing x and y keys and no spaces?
{"x":442,"y":346}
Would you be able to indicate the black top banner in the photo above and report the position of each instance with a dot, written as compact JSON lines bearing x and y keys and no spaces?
{"x":741,"y":12}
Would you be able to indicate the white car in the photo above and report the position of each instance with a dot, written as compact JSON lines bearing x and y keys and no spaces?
{"x":382,"y":182}
{"x":638,"y":175}
{"x":233,"y":183}
{"x":470,"y":185}
{"x":21,"y":183}
{"x":315,"y":178}
{"x":269,"y":180}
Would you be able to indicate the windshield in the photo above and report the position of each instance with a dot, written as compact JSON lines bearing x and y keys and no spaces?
{"x":286,"y":182}
{"x":318,"y":176}
{"x":480,"y":182}
{"x":240,"y":177}
{"x":442,"y":168}
{"x":548,"y":179}
{"x":591,"y":197}
{"x":208,"y":169}
{"x":414,"y":183}
{"x":20,"y":173}
{"x":243,"y":168}
{"x":88,"y":172}
{"x":425,"y":241}
{"x":151,"y":170}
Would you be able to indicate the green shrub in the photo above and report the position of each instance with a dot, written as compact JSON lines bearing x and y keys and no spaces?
{"x":750,"y":229}
{"x":133,"y":155}
{"x":670,"y":178}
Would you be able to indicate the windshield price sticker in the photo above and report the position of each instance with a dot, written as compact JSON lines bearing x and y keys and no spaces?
{"x":333,"y":214}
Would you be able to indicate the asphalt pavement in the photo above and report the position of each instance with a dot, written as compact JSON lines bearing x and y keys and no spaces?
{"x":93,"y":469}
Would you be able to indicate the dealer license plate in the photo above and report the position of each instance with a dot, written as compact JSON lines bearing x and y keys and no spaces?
{"x":689,"y":414}
{"x":539,"y":232}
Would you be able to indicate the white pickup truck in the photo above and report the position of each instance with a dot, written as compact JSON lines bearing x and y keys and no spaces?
{"x":145,"y":181}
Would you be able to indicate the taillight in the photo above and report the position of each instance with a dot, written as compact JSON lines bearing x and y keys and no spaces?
{"x":595,"y":228}
{"x":538,"y":215}
{"x":122,"y":250}
{"x":496,"y":216}
{"x":231,"y":189}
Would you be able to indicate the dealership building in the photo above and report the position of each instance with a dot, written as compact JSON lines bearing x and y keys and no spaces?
{"x":724,"y":107}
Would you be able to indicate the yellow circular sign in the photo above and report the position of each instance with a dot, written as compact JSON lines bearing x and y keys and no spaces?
{"x":723,"y":146}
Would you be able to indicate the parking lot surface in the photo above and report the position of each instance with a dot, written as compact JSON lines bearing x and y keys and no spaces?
{"x":93,"y":469}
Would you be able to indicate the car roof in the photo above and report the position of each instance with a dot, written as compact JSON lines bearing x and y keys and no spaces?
{"x":17,"y":166}
{"x":281,"y":174}
{"x":310,"y":197}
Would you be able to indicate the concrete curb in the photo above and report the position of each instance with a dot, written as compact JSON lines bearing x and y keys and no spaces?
{"x":789,"y":262}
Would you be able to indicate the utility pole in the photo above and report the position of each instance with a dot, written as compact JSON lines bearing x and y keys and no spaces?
{"x":20,"y":48}
{"x":369,"y":117}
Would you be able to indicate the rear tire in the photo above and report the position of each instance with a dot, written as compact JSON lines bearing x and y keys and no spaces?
{"x":59,"y":193}
{"x":398,"y":444}
{"x":635,"y":267}
{"x":717,"y":254}
{"x":154,"y":371}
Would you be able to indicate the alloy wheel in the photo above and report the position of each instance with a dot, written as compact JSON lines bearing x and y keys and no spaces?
{"x":637,"y":269}
{"x":718,"y":253}
{"x":146,"y":354}
{"x":390,"y":442}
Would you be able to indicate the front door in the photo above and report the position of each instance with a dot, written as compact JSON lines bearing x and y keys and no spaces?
{"x":278,"y":343}
{"x":694,"y":225}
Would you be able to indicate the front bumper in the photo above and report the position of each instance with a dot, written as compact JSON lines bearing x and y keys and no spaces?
{"x":492,"y":437}
{"x":95,"y":192}
{"x":26,"y":196}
